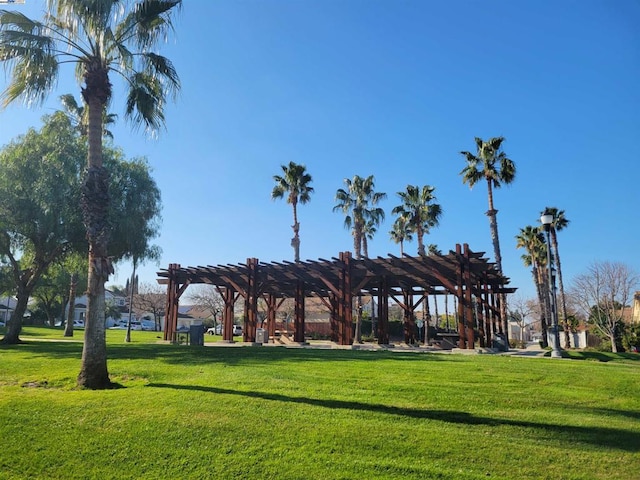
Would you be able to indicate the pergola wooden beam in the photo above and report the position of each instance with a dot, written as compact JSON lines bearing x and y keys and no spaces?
{"x":465,"y":274}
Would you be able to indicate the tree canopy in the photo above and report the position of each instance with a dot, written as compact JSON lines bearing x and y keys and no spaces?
{"x":40,"y":219}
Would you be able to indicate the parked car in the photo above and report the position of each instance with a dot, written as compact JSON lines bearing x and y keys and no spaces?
{"x":78,"y":324}
{"x":149,"y":325}
{"x":217,"y":330}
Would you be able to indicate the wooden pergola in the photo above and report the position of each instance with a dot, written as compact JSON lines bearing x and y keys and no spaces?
{"x":407,"y":280}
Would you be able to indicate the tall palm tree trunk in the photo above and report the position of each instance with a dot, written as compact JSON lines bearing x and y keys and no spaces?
{"x":492,"y":213}
{"x":543,"y":301}
{"x":95,"y":199}
{"x":357,"y":243}
{"x":446,"y":309}
{"x":420,"y":237}
{"x":435,"y":309}
{"x":73,"y":285}
{"x":127,"y":337}
{"x":295,"y":241}
{"x":563,"y":302}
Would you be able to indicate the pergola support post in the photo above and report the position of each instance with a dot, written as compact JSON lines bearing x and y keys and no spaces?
{"x":470,"y":324}
{"x":462,"y":337}
{"x":383,"y":312}
{"x":298,"y":321}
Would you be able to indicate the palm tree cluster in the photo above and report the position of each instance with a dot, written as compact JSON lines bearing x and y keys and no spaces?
{"x":360,"y":203}
{"x":532,"y":240}
{"x":417,"y":213}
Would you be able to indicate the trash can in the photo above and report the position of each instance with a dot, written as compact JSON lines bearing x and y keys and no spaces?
{"x":500,"y":342}
{"x":196,"y":335}
{"x":261,"y":336}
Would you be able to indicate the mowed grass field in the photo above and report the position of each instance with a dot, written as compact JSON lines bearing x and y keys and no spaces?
{"x":246,"y":412}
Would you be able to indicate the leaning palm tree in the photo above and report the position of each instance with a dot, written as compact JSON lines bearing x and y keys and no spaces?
{"x":491,"y":164}
{"x":102,"y":38}
{"x":359,"y":204}
{"x":294,"y":182}
{"x":560,"y":222}
{"x":531,"y":239}
{"x":401,"y":233}
{"x":420,"y":211}
{"x":362,"y":215}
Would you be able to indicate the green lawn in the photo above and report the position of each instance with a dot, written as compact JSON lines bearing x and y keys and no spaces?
{"x":276,"y":413}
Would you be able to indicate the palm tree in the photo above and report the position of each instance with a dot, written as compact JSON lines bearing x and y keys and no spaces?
{"x":401,"y":233}
{"x":531,"y":239}
{"x":491,"y":164}
{"x":419,"y":211}
{"x":432,"y":249}
{"x":369,"y":231}
{"x":560,"y":222}
{"x":80,"y":119}
{"x":102,"y":38}
{"x":358,"y":203}
{"x":294,"y":182}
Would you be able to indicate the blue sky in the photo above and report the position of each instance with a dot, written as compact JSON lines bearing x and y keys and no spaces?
{"x":394,"y":89}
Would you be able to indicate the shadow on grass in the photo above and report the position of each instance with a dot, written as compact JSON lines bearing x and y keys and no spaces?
{"x":602,"y":356}
{"x":603,"y":437}
{"x":193,"y":355}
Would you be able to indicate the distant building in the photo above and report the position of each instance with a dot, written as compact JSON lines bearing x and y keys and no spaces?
{"x":7,"y":306}
{"x":118,"y":300}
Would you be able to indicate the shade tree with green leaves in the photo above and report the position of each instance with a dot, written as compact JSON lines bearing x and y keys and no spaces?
{"x":40,"y":223}
{"x":39,"y":217}
{"x":294,"y":184}
{"x":102,"y":39}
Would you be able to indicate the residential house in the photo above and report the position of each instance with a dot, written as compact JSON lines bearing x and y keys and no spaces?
{"x":118,"y":300}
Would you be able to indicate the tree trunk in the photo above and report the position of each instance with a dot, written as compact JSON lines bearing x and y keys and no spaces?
{"x":358,"y":332}
{"x":563,"y":302}
{"x":95,"y":200}
{"x":93,"y":372}
{"x":127,"y":337}
{"x":492,"y":213}
{"x":446,"y":309}
{"x":420,"y":237}
{"x":295,"y":241}
{"x":435,"y":309}
{"x":68,"y":328}
{"x":14,"y":327}
{"x":543,"y":306}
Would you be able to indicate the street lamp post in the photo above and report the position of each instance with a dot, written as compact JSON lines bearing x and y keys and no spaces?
{"x":546,"y":221}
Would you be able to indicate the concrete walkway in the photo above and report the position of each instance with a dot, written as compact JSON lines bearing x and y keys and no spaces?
{"x":533,"y":350}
